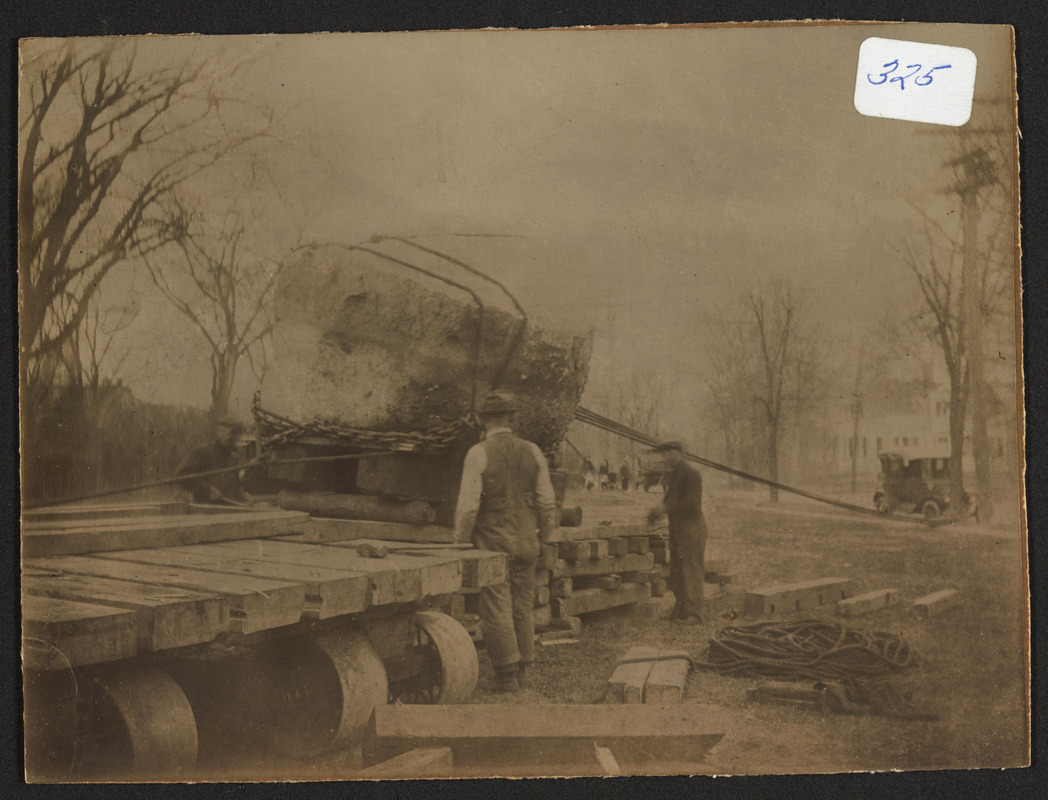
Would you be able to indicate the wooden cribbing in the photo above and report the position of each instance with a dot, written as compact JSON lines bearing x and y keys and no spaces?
{"x":561,"y":587}
{"x":60,"y":634}
{"x":639,"y":545}
{"x":618,"y":546}
{"x":165,"y":618}
{"x":520,"y":740}
{"x":322,"y":530}
{"x":169,"y":531}
{"x":542,"y":577}
{"x":595,"y":532}
{"x":786,"y":598}
{"x":607,"y":582}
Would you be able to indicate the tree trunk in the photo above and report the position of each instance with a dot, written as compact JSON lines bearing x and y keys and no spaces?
{"x":973,"y":330}
{"x":958,"y":403}
{"x":773,"y":458}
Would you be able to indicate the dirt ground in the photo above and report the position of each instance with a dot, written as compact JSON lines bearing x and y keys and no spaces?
{"x":972,"y":677}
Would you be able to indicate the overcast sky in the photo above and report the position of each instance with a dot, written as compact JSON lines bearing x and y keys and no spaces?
{"x":651,"y":174}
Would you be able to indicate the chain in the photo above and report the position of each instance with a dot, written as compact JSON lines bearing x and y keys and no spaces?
{"x":279,"y":430}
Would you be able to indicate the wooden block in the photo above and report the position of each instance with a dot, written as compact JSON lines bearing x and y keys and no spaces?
{"x":547,"y":557}
{"x":867,"y":602}
{"x":561,"y":587}
{"x":329,"y":592}
{"x":659,"y":587}
{"x":661,"y":556}
{"x":789,"y":694}
{"x":542,"y":576}
{"x":566,"y":534}
{"x":543,"y":615}
{"x":513,"y":740}
{"x":573,"y":551}
{"x":480,"y":568}
{"x":541,"y":596}
{"x":659,"y":542}
{"x":573,"y":624}
{"x":59,"y":634}
{"x":626,"y":684}
{"x":606,"y":582}
{"x":587,"y":600}
{"x":552,"y":642}
{"x":165,"y":618}
{"x":639,"y":545}
{"x":618,"y":546}
{"x":600,"y":549}
{"x":666,"y":681}
{"x":254,"y":604}
{"x":787,"y":598}
{"x":321,"y":530}
{"x":932,"y":604}
{"x":628,"y":563}
{"x":422,"y":762}
{"x":159,"y":532}
{"x":457,"y":606}
{"x":556,"y":635}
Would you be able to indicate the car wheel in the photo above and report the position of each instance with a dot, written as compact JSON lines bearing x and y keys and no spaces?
{"x":931,"y":510}
{"x":881,"y":503}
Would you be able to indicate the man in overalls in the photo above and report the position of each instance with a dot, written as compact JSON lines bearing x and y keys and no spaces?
{"x":506,"y":504}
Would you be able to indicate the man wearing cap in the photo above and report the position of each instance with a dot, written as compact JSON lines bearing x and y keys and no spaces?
{"x":506,"y":504}
{"x":220,"y":453}
{"x":682,"y":505}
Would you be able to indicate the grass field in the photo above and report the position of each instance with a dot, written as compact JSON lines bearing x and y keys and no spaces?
{"x":973,"y":672}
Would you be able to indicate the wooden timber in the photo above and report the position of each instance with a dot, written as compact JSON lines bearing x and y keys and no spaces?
{"x":583,"y":532}
{"x":626,"y":684}
{"x":83,"y":513}
{"x":321,"y":530}
{"x":666,"y":681}
{"x":521,"y":740}
{"x":254,"y":604}
{"x":480,"y":568}
{"x":785,"y":598}
{"x":329,"y":592}
{"x":167,"y":531}
{"x":423,"y":762}
{"x":165,"y":617}
{"x":60,"y":634}
{"x":587,"y":600}
{"x":628,"y":563}
{"x":543,"y":615}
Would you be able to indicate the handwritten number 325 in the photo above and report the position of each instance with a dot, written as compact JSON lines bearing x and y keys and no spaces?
{"x":922,"y":80}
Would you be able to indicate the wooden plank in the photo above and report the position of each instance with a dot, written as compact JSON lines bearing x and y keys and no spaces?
{"x":786,"y":598}
{"x":109,"y":511}
{"x":567,"y":534}
{"x":254,"y":604}
{"x":587,"y":600}
{"x":325,"y":531}
{"x":626,"y":684}
{"x":329,"y":592}
{"x":666,"y":681}
{"x":480,"y":568}
{"x":387,"y":584}
{"x":628,"y":563}
{"x":639,"y":545}
{"x":867,"y":602}
{"x":933,"y":603}
{"x":160,"y":532}
{"x":606,"y":582}
{"x":166,"y":618}
{"x":437,"y":574}
{"x":573,"y":624}
{"x":59,"y":634}
{"x":541,"y":596}
{"x":518,"y":740}
{"x":542,"y":577}
{"x":543,"y":615}
{"x":422,"y":762}
{"x":574,"y":550}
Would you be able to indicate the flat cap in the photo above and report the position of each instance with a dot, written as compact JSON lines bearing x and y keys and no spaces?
{"x":498,"y":403}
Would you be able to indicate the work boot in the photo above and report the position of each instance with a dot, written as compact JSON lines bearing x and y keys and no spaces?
{"x":505,"y":682}
{"x":521,"y":673}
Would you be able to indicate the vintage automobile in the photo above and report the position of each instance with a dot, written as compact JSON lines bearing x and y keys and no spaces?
{"x":915,"y":484}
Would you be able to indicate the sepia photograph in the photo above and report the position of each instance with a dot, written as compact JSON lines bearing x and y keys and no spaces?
{"x":521,"y":403}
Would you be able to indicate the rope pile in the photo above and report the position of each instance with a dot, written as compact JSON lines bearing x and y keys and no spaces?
{"x":808,"y":650}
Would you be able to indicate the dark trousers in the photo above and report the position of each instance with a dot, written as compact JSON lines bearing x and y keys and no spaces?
{"x":688,"y":567}
{"x":507,"y":616}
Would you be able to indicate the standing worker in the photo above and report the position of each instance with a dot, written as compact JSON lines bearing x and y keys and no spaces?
{"x":506,"y":504}
{"x":220,"y":453}
{"x":682,"y":504}
{"x":626,"y":476}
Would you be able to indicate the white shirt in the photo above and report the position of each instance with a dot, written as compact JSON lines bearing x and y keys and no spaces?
{"x":473,"y":485}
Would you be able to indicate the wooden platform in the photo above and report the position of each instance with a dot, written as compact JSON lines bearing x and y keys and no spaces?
{"x":110,"y":587}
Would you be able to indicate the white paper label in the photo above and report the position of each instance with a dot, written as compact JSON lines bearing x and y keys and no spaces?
{"x":915,"y":81}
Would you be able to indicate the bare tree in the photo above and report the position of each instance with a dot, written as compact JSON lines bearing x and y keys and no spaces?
{"x":104,"y":139}
{"x":222,"y":287}
{"x":963,"y":264}
{"x":769,"y":359}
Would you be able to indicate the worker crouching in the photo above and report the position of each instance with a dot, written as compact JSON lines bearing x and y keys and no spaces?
{"x":506,"y":504}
